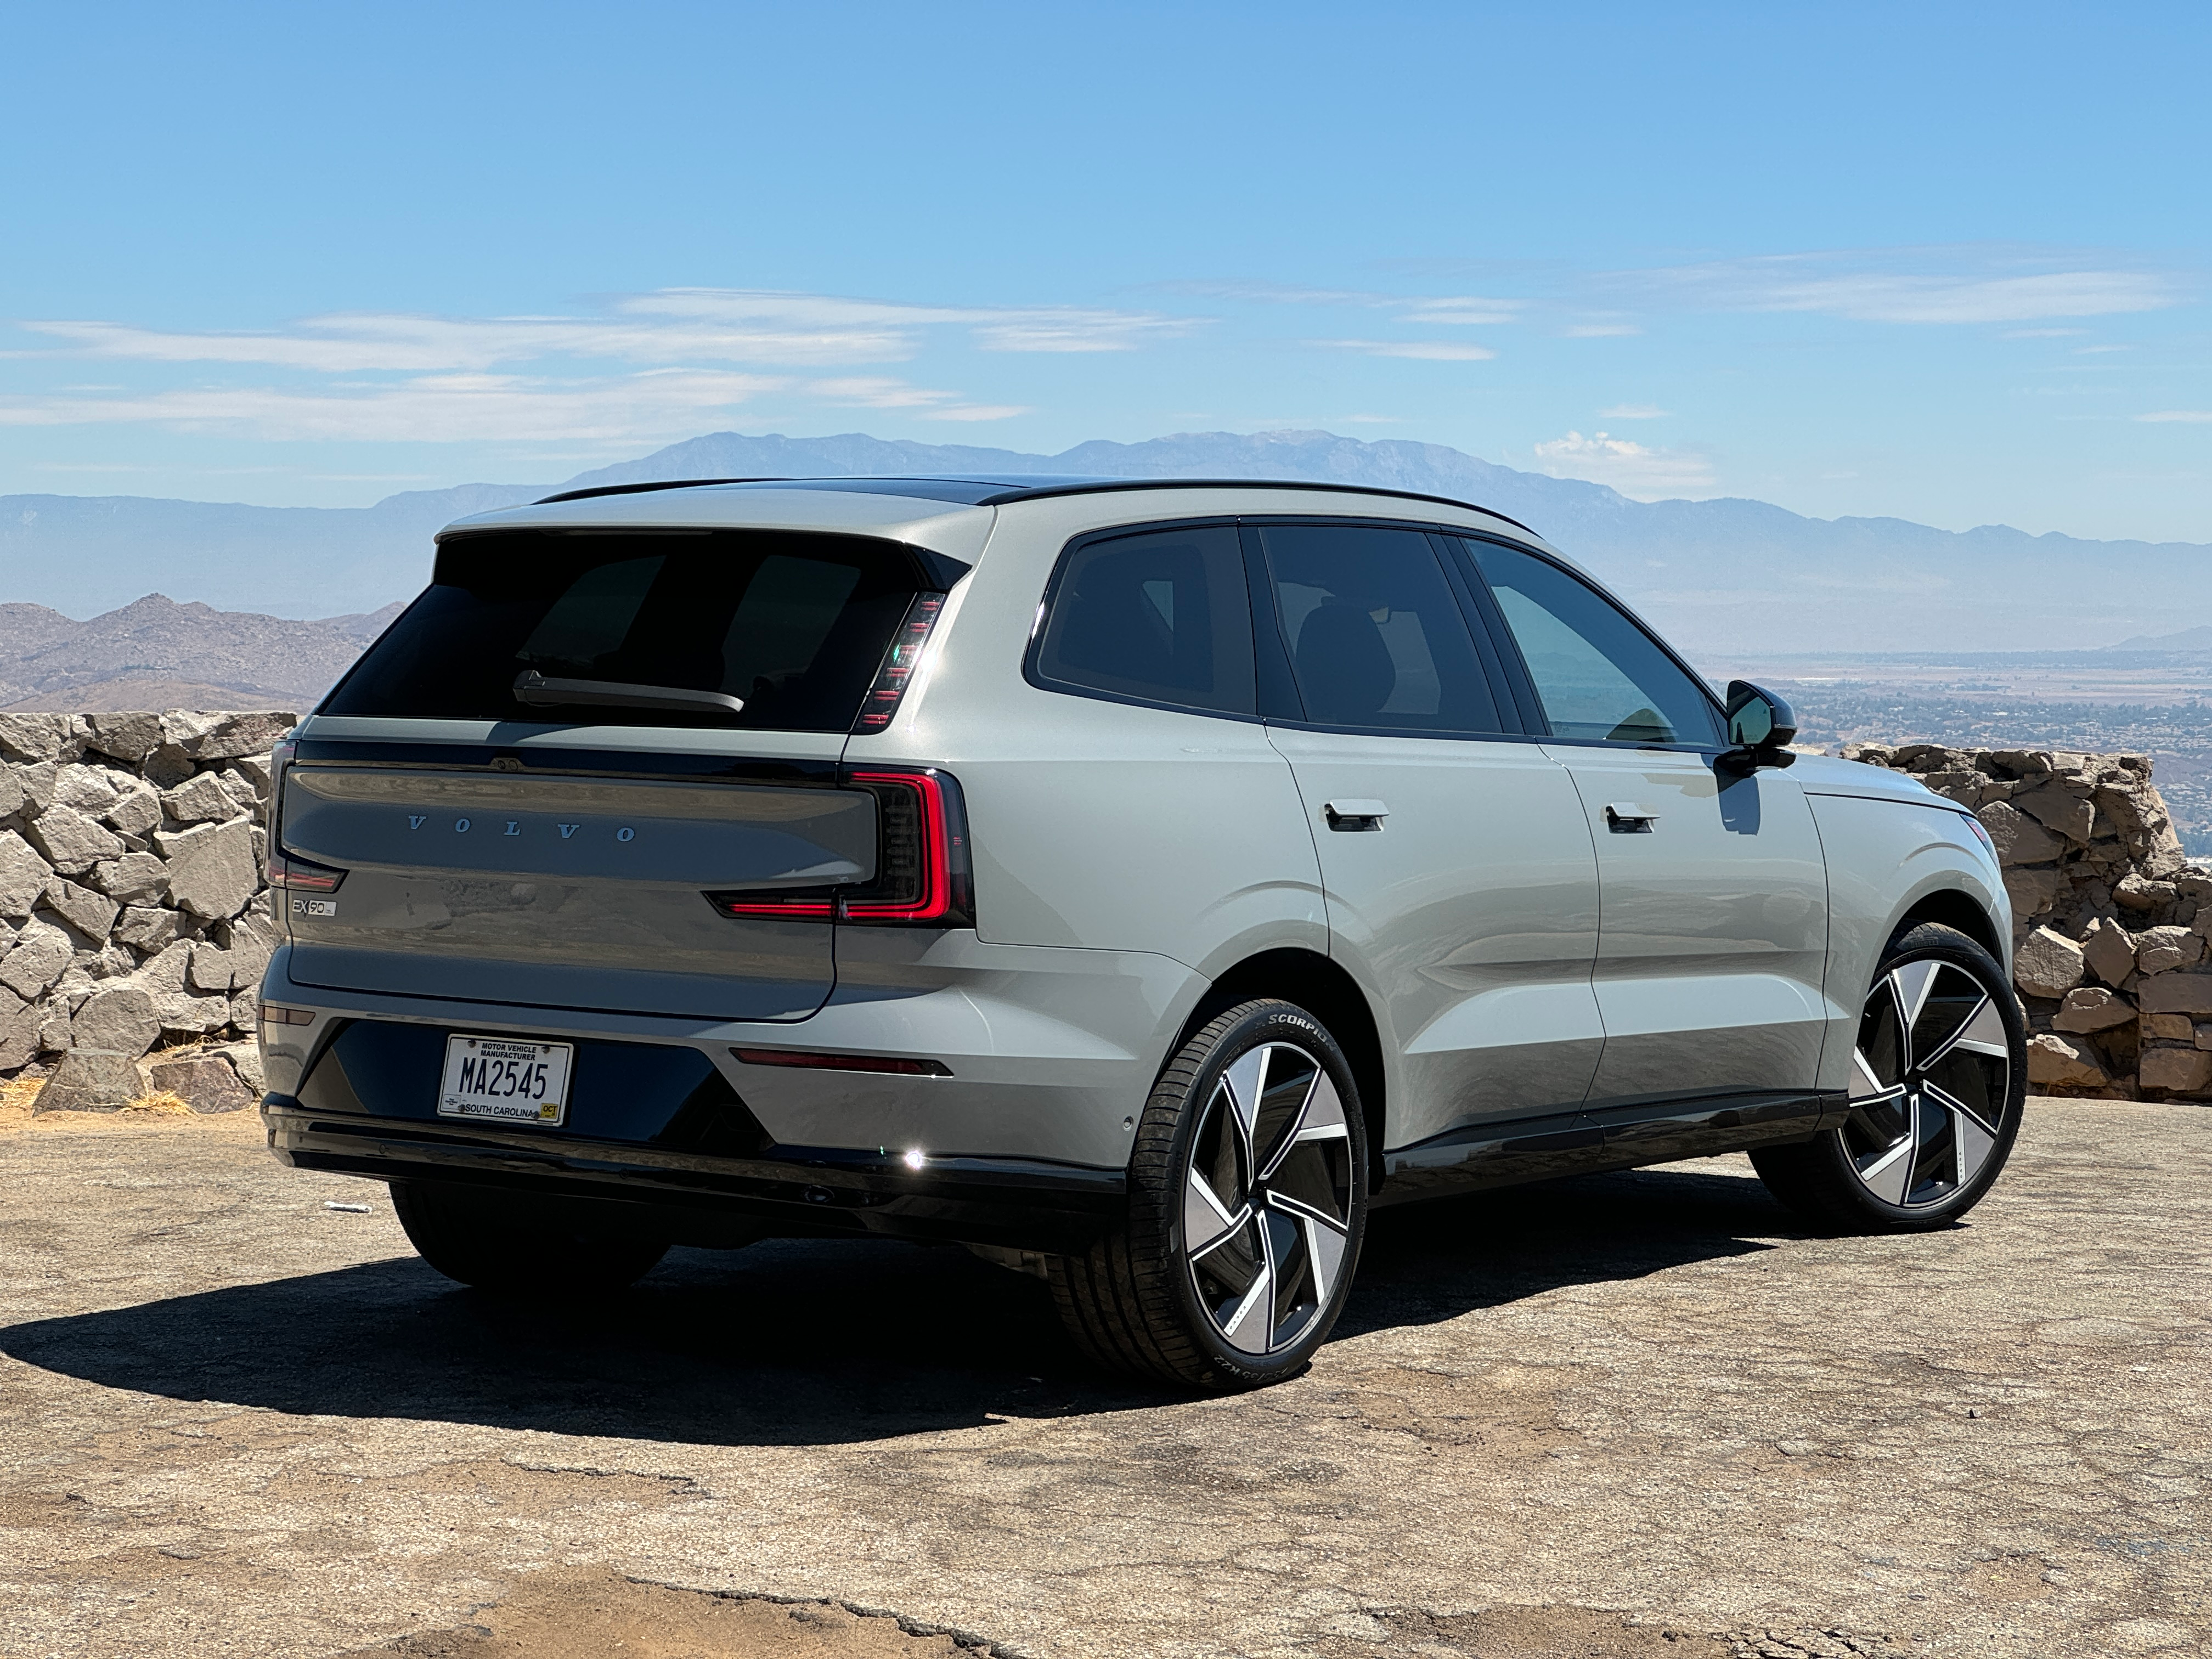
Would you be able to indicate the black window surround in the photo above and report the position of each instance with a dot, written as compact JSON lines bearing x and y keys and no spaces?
{"x":1278,"y":702}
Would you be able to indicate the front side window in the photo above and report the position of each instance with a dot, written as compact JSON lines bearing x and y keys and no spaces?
{"x":1598,"y":674}
{"x":1161,"y":615}
{"x":1377,"y":637}
{"x":793,"y":625}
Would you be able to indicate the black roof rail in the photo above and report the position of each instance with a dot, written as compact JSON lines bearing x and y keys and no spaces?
{"x":640,"y":489}
{"x":1103,"y":485}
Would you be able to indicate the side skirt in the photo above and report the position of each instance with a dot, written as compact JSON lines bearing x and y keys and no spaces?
{"x":1612,"y":1136}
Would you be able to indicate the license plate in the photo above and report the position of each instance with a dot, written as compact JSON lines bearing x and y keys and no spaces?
{"x":500,"y":1078}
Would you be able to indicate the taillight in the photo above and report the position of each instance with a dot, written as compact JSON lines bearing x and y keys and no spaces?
{"x":922,"y":871}
{"x":302,"y":875}
{"x":882,"y":698}
{"x":809,"y":906}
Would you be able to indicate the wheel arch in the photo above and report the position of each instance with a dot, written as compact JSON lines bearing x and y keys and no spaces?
{"x":1955,"y":908}
{"x":1325,"y":990}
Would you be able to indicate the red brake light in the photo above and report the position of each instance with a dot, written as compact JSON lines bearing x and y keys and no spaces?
{"x":921,"y":852}
{"x":883,"y":699}
{"x":759,"y":907}
{"x":290,"y":870}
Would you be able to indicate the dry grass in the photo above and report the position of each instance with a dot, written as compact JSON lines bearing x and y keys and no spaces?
{"x":165,"y":1101}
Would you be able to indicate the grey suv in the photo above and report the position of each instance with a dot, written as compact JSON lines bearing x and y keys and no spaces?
{"x":1135,"y":882}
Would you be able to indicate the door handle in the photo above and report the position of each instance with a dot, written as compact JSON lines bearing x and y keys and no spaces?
{"x":1355,"y":814}
{"x":1625,"y":817}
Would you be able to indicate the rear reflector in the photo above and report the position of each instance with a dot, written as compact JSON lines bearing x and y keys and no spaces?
{"x":272,"y":1015}
{"x":811,"y":1060}
{"x":883,"y":699}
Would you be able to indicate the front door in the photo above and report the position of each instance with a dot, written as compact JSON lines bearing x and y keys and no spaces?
{"x":1460,"y":883}
{"x":1712,"y":936}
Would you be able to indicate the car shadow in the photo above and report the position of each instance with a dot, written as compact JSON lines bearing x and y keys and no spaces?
{"x":810,"y":1342}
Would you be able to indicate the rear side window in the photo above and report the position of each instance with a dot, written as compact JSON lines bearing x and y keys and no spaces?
{"x":1600,"y":675}
{"x":794,"y":625}
{"x":1162,"y":616}
{"x":1377,"y":639}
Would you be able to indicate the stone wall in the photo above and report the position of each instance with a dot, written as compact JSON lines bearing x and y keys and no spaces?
{"x":2109,"y":921}
{"x":133,"y":918}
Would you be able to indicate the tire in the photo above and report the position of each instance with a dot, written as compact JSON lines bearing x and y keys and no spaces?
{"x":1246,"y":1207}
{"x":1939,"y":1073}
{"x":520,"y":1244}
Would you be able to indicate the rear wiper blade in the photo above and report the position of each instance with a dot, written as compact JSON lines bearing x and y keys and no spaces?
{"x":534,"y":688}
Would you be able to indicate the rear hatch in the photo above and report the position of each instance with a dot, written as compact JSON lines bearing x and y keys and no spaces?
{"x":492,"y":805}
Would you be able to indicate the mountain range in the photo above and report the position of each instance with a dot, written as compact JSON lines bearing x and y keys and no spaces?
{"x":1721,"y":577}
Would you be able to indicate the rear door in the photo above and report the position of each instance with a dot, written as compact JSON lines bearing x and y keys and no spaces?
{"x":1460,"y":883}
{"x":599,"y":771}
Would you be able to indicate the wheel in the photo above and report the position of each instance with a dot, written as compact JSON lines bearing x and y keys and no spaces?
{"x":1938,"y":1078}
{"x":520,"y":1243}
{"x":1247,"y":1202}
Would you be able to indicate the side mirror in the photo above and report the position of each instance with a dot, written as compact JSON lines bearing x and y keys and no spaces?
{"x":1760,"y":726}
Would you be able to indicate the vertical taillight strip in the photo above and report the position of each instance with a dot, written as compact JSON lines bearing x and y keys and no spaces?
{"x":923,"y":825}
{"x":906,"y":649}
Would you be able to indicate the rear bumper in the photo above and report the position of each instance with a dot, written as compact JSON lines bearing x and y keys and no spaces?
{"x":696,"y":1198}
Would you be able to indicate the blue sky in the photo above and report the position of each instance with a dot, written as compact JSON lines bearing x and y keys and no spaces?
{"x":1945,"y":262}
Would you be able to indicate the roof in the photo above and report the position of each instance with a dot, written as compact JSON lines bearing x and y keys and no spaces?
{"x":997,"y":491}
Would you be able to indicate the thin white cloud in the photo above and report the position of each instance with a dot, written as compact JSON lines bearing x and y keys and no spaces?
{"x":1634,"y":412}
{"x":655,"y":405}
{"x":2041,"y":333}
{"x":1599,"y":331}
{"x":1633,"y":469}
{"x":977,"y":412}
{"x":1812,"y":282}
{"x":672,"y":326}
{"x":2093,"y":351}
{"x":1440,"y":351}
{"x":2194,"y":417}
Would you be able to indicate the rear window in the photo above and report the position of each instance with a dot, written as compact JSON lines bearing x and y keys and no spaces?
{"x":794,"y":625}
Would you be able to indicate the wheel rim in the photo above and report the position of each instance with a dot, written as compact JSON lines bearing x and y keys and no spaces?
{"x":1929,"y":1080}
{"x":1267,"y":1211}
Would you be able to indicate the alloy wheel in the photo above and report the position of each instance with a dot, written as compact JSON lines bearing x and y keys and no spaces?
{"x":1929,"y":1080}
{"x":1267,"y":1211}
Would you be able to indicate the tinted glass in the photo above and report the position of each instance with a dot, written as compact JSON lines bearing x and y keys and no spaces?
{"x":1598,"y":673}
{"x":1163,"y":615}
{"x":1377,"y":639}
{"x":796,"y":625}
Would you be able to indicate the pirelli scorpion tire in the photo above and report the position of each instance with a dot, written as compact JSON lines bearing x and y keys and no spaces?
{"x":1939,"y":1073}
{"x":1248,"y":1203}
{"x":520,"y":1244}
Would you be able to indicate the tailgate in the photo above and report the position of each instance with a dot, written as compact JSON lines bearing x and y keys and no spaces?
{"x":568,"y":892}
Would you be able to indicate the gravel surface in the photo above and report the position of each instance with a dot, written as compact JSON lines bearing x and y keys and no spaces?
{"x":1628,"y":1415}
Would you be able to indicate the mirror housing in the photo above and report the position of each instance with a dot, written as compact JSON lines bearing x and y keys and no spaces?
{"x":1761,"y":724}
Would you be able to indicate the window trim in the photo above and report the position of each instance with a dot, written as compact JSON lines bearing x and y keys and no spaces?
{"x":1519,"y":665}
{"x":1033,"y":649}
{"x":1488,"y":655}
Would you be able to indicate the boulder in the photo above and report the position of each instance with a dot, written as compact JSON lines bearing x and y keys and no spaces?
{"x":70,"y":841}
{"x":145,"y":927}
{"x":2159,"y":949}
{"x":2047,"y":964}
{"x":225,"y":736}
{"x":2092,"y":1008}
{"x":212,"y":871}
{"x":2110,"y":951}
{"x":2177,"y":1071}
{"x":206,"y":1082}
{"x":2054,"y":1061}
{"x":13,"y":795}
{"x":90,"y":790}
{"x":36,"y":959}
{"x":2058,"y":809}
{"x":19,"y":1031}
{"x":136,"y":811}
{"x":2136,"y":892}
{"x":199,"y":799}
{"x":167,"y":767}
{"x":32,"y":738}
{"x":131,"y":878}
{"x":2180,"y":992}
{"x":121,"y":1019}
{"x":2174,"y":1028}
{"x":2033,"y":891}
{"x":23,"y":875}
{"x":245,"y":1057}
{"x":92,"y":1080}
{"x":127,"y":736}
{"x":91,"y":913}
{"x":2018,"y":838}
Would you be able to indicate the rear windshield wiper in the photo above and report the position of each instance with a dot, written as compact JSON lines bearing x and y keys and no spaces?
{"x":534,"y":688}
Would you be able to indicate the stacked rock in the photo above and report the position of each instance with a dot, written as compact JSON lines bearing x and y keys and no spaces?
{"x":132,"y":911}
{"x":2110,"y":921}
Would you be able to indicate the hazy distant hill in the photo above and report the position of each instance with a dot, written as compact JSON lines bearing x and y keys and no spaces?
{"x":156,"y":654}
{"x":1722,"y":577}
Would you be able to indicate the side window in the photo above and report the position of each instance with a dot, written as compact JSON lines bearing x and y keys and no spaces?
{"x":1598,"y":673}
{"x":1377,"y":636}
{"x":1162,"y":615}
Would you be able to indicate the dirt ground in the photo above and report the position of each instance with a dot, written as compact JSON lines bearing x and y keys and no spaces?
{"x":1614,"y":1418}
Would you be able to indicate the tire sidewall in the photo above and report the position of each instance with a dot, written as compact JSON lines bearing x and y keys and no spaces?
{"x":1159,"y":1211}
{"x":1931,"y":943}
